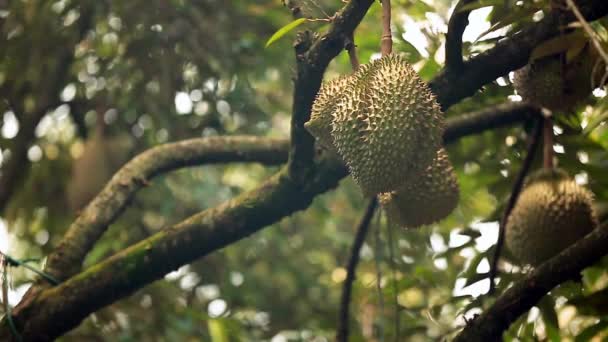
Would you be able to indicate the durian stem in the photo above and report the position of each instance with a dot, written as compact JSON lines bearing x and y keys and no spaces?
{"x":517,"y":187}
{"x":351,"y":269}
{"x":351,"y":48}
{"x":386,"y":43}
{"x":548,"y":143}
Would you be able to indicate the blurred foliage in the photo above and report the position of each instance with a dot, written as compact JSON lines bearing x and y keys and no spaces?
{"x":160,"y":71}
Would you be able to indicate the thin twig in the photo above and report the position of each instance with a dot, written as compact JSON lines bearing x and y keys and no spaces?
{"x":590,"y":32}
{"x":377,"y":264}
{"x":548,"y":143}
{"x":393,"y":265}
{"x":351,"y":268}
{"x":517,"y":187}
{"x":386,"y":43}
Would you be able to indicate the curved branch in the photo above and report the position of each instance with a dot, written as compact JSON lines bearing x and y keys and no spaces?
{"x":67,"y":258}
{"x":351,"y":270}
{"x":527,"y":292}
{"x":453,"y":40}
{"x":51,"y":312}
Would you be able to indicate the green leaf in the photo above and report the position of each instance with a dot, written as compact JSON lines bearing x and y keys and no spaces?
{"x":588,"y":333}
{"x":574,"y":41}
{"x":284,"y":30}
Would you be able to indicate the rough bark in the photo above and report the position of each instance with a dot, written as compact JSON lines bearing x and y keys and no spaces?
{"x":93,"y":221}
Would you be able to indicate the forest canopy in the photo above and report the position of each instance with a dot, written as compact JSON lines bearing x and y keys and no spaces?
{"x":303,"y":170}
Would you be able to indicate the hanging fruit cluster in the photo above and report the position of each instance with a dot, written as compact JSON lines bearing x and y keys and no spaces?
{"x":386,"y":125}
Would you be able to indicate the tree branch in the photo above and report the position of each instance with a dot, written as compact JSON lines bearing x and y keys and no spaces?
{"x":82,"y":235}
{"x":453,"y":41}
{"x":504,"y":114}
{"x":61,"y":308}
{"x":351,"y":271}
{"x":451,"y":86}
{"x":525,"y":293}
{"x":312,"y":59}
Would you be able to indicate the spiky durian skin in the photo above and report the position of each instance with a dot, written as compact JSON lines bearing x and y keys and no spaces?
{"x":426,"y":199}
{"x":549,"y":83}
{"x":388,"y":125}
{"x":551,"y":213}
{"x":319,"y":125}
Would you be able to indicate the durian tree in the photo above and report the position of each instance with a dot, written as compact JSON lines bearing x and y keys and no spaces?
{"x":303,"y":170}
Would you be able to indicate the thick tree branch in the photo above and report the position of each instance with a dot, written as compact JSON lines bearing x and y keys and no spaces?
{"x":67,"y":258}
{"x":453,"y":41}
{"x":61,"y":308}
{"x":312,"y":59}
{"x":504,"y":114}
{"x":451,"y":86}
{"x":52,"y":312}
{"x":527,"y":292}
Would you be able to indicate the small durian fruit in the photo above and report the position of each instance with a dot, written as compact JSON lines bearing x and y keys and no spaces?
{"x":386,"y":125}
{"x":551,"y":213}
{"x":549,"y":83}
{"x":319,"y":125}
{"x":425,"y":199}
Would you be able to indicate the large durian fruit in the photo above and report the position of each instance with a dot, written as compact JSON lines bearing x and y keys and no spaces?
{"x":559,"y":85}
{"x":387,"y":125}
{"x":426,"y":199}
{"x":551,"y":213}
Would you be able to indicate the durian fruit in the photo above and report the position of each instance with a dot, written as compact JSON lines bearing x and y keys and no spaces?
{"x":319,"y":125}
{"x":551,"y":213}
{"x":387,"y":126}
{"x":558,"y":86}
{"x":425,"y":199}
